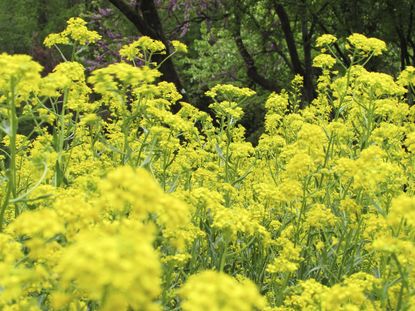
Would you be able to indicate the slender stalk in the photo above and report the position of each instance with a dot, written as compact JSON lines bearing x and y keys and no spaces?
{"x":11,"y":192}
{"x":14,"y":123}
{"x":59,"y":177}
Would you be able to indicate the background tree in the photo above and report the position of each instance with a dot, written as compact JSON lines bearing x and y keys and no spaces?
{"x":25,"y":23}
{"x":145,"y":17}
{"x":262,"y":44}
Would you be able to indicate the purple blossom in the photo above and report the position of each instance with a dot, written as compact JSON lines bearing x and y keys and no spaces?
{"x":104,"y":12}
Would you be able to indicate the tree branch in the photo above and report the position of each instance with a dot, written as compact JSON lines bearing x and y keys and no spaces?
{"x":252,"y":71}
{"x":132,"y":15}
{"x":289,"y":38}
{"x":266,"y":36}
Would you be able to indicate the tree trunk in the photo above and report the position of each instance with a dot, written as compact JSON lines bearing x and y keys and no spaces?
{"x":289,"y":39}
{"x":309,"y":92}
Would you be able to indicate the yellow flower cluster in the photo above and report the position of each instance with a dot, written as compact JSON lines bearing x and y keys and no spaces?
{"x":210,"y":290}
{"x":288,"y":259}
{"x":115,"y":76}
{"x":229,"y":91}
{"x":407,"y":76}
{"x":325,"y":39}
{"x":366,"y":45}
{"x":75,"y":32}
{"x":19,"y":77}
{"x":68,"y":77}
{"x":121,"y":269}
{"x":144,"y":45}
{"x":402,"y":211}
{"x":348,"y":295}
{"x":179,"y":46}
{"x":324,"y":61}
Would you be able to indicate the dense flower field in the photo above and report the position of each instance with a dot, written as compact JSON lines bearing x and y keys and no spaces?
{"x":112,"y":202}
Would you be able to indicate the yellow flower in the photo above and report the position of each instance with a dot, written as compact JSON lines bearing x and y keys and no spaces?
{"x":10,"y":250}
{"x":407,"y":76}
{"x":39,"y":229}
{"x":237,"y":220}
{"x":215,"y":291}
{"x":402,"y":209}
{"x":131,"y":51}
{"x":380,"y":83}
{"x":43,"y":223}
{"x":111,"y":79}
{"x":306,"y":295}
{"x":178,"y":259}
{"x":70,"y":77}
{"x":179,"y":46}
{"x":55,"y":39}
{"x":287,"y":260}
{"x":277,"y":103}
{"x":141,"y":47}
{"x":229,"y":92}
{"x":410,"y":142}
{"x":325,"y":39}
{"x":151,"y":45}
{"x":405,"y":250}
{"x":228,"y":109}
{"x":350,"y":294}
{"x":115,"y":265}
{"x":371,"y":171}
{"x":134,"y":193}
{"x":300,"y":166}
{"x":75,"y":31}
{"x":366,"y":45}
{"x":291,"y":190}
{"x":324,"y":61}
{"x":319,"y":217}
{"x":21,"y":73}
{"x":15,"y":282}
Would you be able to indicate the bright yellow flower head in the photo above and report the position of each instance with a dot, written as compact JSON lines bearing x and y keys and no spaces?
{"x":229,"y":92}
{"x":366,"y":45}
{"x":67,"y":76}
{"x":145,"y":46}
{"x":151,"y":45}
{"x":402,"y":210}
{"x":76,"y":31}
{"x":108,"y":80}
{"x":324,"y":61}
{"x":287,"y":260}
{"x":179,"y":46}
{"x":131,"y":51}
{"x":215,"y":291}
{"x":407,"y":76}
{"x":115,"y":265}
{"x":19,"y":72}
{"x":325,"y":39}
{"x":42,"y":223}
{"x":10,"y":250}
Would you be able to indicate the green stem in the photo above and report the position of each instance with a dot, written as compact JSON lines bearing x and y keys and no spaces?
{"x":126,"y":148}
{"x":343,"y":96}
{"x":4,"y":206}
{"x":11,"y":192}
{"x":59,"y":177}
{"x":14,"y":123}
{"x":224,"y":254}
{"x":223,"y":259}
